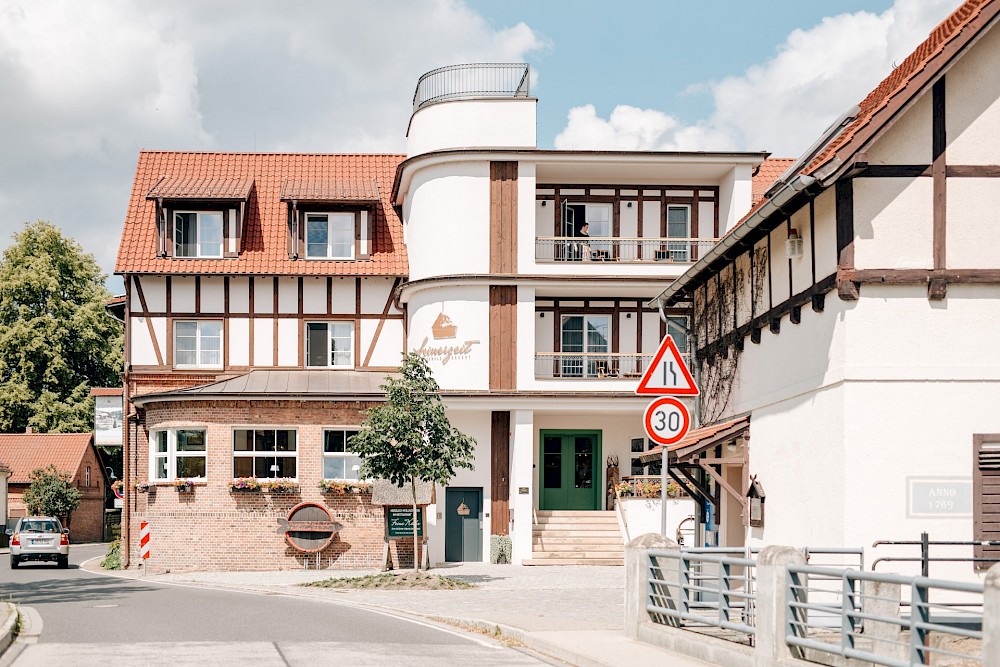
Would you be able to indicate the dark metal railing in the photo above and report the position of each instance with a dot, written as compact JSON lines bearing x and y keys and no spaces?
{"x":925,"y":558}
{"x":472,"y":80}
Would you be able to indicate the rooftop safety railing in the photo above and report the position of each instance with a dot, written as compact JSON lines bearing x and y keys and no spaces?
{"x":863,"y":620}
{"x":471,"y":81}
{"x":619,"y":249}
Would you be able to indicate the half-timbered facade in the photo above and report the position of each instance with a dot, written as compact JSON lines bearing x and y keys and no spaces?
{"x":268,"y":295}
{"x":845,"y":324}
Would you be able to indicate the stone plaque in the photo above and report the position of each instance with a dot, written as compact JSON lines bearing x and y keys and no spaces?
{"x":939,"y":497}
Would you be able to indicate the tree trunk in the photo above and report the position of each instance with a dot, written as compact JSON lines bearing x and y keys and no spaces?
{"x":416,"y":527}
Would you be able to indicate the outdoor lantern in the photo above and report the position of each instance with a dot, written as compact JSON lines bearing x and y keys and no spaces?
{"x":793,"y":246}
{"x":755,"y":497}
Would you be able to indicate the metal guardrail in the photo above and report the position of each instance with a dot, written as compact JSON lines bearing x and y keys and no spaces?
{"x":471,"y":81}
{"x":684,"y":591}
{"x":836,"y":626}
{"x":619,"y":249}
{"x":591,"y":365}
{"x":925,"y":558}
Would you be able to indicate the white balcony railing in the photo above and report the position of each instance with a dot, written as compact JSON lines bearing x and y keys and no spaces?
{"x":601,"y":249}
{"x":591,"y":365}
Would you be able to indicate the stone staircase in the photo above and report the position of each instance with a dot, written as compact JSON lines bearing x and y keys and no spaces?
{"x":576,"y":538}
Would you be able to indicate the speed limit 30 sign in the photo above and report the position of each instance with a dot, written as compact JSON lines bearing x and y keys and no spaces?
{"x":666,"y":420}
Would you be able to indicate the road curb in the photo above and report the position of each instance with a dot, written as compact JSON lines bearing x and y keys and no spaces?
{"x":9,"y":627}
{"x":31,"y":626}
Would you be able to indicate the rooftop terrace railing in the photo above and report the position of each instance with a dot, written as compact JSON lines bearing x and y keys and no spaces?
{"x":471,"y":81}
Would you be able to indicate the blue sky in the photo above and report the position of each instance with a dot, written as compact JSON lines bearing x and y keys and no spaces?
{"x":321,"y":76}
{"x":651,"y":53}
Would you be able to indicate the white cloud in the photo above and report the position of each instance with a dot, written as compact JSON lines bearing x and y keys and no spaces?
{"x":780,"y":105}
{"x":86,"y":84}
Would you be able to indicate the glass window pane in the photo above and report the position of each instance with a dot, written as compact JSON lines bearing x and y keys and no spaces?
{"x":210,"y":234}
{"x":637,"y":467}
{"x":286,"y":466}
{"x":190,"y":441}
{"x":242,"y":440}
{"x":316,"y":338}
{"x":185,"y":235}
{"x":677,"y":222}
{"x":597,"y":334}
{"x":552,"y":463}
{"x":333,"y":467}
{"x":190,"y":466}
{"x":352,"y":467}
{"x":263,"y":441}
{"x":341,"y":340}
{"x":583,"y":464}
{"x":262,"y":466}
{"x":285,"y":441}
{"x":161,"y":442}
{"x":160,"y":467}
{"x":317,"y":235}
{"x":334,"y":441}
{"x":243,"y":467}
{"x":572,"y":334}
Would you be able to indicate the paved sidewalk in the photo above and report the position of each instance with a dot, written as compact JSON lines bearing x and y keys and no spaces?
{"x":574,"y":613}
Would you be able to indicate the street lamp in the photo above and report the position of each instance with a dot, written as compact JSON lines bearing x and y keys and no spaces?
{"x":111,"y":473}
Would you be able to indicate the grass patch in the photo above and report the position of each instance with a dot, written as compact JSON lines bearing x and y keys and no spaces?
{"x":494,"y":633}
{"x":387,"y":580}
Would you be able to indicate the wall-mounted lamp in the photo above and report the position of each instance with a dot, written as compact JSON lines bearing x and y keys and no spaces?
{"x":630,"y":204}
{"x":544,"y":202}
{"x":542,"y":315}
{"x":755,"y":498}
{"x":628,"y":316}
{"x":793,"y":246}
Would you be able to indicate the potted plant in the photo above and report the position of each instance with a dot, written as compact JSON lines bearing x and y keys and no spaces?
{"x":143,"y":487}
{"x":337,"y":487}
{"x":244,"y":485}
{"x":183,"y":485}
{"x":280,"y":486}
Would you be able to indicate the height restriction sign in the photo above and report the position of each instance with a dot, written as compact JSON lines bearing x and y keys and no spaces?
{"x":666,"y":420}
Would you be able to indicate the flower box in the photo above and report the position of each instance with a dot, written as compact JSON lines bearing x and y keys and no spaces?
{"x":245,"y":485}
{"x":184,"y":486}
{"x":340,"y":488}
{"x":280,"y":486}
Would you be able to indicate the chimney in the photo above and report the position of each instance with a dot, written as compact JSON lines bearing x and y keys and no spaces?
{"x":29,"y":430}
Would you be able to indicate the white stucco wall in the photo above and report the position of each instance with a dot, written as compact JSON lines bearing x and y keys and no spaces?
{"x":468,"y":309}
{"x":448,"y":220}
{"x":893,"y":226}
{"x":908,"y":141}
{"x":973,"y":233}
{"x":213,"y":294}
{"x":972,"y":107}
{"x":507,"y":123}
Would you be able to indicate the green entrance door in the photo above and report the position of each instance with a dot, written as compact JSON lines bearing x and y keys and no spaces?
{"x":463,"y":525}
{"x":569,"y":470}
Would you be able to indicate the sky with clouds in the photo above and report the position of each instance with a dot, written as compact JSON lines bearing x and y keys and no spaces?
{"x":86,"y":85}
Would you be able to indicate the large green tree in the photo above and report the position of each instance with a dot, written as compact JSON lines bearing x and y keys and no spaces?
{"x":409,"y":437}
{"x":56,"y":340}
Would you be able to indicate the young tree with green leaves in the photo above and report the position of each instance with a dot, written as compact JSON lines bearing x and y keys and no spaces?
{"x":56,"y":340}
{"x":409,"y":438}
{"x":51,"y":493}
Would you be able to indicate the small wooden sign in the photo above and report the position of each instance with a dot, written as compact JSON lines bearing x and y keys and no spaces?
{"x":399,"y":522}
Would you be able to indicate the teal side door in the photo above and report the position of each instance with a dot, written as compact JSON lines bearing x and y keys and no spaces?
{"x":463,"y":525}
{"x":569,"y":467}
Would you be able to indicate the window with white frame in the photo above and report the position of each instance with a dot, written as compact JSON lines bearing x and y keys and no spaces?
{"x":265,"y":453}
{"x":584,"y":346}
{"x":330,"y":235}
{"x":679,"y":227}
{"x":178,"y":453}
{"x":198,"y":344}
{"x":339,"y":462}
{"x":198,"y":234}
{"x":330,"y":344}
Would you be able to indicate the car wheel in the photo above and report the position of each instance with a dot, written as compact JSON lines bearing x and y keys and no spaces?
{"x":14,"y":562}
{"x":63,"y":562}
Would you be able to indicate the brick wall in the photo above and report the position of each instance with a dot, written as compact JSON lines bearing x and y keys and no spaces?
{"x":214,"y":528}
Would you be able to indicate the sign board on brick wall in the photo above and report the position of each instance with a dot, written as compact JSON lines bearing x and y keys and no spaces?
{"x":399,"y":522}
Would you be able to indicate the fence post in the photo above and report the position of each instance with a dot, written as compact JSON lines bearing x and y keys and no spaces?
{"x":637,"y":587}
{"x":991,"y":617}
{"x":882,"y":599}
{"x":770,"y":647}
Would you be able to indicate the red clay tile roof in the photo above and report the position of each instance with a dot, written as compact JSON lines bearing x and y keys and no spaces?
{"x":24,"y":452}
{"x":186,"y":187}
{"x":698,"y":435}
{"x":768,"y":172}
{"x":264,"y":249}
{"x":349,"y":190}
{"x":934,"y":48}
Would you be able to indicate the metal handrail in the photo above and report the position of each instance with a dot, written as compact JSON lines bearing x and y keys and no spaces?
{"x":620,"y":249}
{"x":472,"y":80}
{"x":800,"y":614}
{"x":591,"y":365}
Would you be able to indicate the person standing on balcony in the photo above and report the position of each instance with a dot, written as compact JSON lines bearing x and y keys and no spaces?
{"x":583,"y":247}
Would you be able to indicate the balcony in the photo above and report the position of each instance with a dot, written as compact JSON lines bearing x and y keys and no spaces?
{"x":471,"y":81}
{"x":590,"y":365}
{"x":634,"y":250}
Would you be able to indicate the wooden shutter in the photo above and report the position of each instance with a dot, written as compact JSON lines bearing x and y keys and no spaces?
{"x":986,"y":496}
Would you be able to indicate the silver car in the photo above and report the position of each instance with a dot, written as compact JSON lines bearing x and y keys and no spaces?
{"x":39,"y":538}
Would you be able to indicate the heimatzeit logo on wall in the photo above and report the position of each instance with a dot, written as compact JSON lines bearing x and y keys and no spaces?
{"x":444,"y":329}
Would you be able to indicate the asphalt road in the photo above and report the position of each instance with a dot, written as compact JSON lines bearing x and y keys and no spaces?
{"x":90,"y":619}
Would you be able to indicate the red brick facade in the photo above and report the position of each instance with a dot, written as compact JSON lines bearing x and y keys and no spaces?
{"x":215,"y":528}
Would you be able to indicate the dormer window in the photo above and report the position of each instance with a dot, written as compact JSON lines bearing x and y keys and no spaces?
{"x":200,"y":217}
{"x":330,"y":235}
{"x":330,"y":219}
{"x":198,"y":234}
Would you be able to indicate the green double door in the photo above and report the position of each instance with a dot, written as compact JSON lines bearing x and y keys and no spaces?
{"x":569,"y":477}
